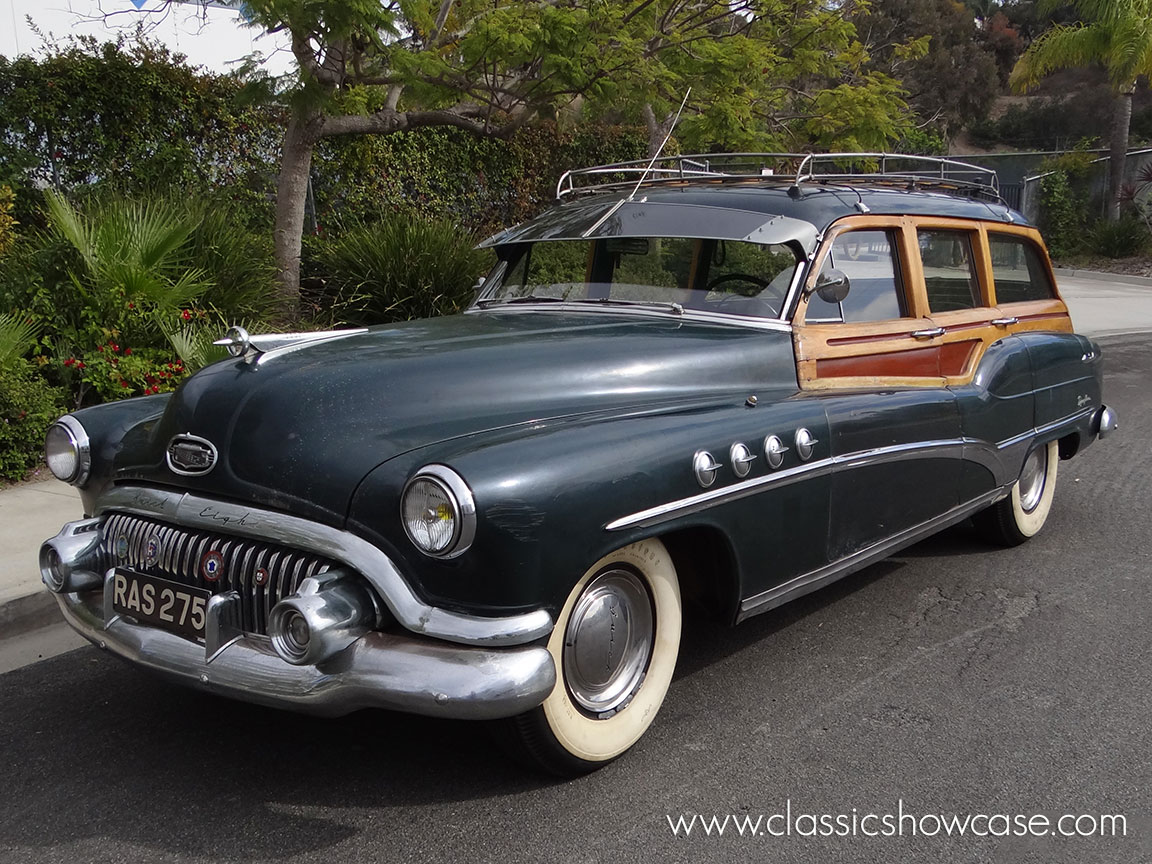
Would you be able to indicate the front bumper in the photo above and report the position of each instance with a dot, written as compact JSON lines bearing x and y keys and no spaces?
{"x":380,"y":670}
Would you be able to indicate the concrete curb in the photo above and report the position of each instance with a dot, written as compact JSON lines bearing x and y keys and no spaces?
{"x":1099,"y":276}
{"x":22,"y":615}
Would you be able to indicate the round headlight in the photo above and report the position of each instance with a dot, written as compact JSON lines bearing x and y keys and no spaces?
{"x":438,"y":512}
{"x":66,"y":451}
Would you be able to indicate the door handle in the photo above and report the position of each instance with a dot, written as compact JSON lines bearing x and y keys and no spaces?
{"x":931,"y":333}
{"x":1005,"y":322}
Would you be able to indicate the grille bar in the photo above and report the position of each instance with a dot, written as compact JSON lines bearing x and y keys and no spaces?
{"x":180,"y":553}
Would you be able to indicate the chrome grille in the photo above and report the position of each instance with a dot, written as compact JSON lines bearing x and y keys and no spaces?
{"x":181,"y":552}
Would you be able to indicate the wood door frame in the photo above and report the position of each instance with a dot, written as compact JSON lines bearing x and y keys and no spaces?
{"x":877,"y":353}
{"x":830,"y":356}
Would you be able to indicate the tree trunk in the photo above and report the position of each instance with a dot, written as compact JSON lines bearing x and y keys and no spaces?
{"x":657,"y":130}
{"x":1121,"y":121}
{"x":291,"y":194}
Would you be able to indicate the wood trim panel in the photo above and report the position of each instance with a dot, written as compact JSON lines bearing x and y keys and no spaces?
{"x":913,"y":363}
{"x":884,"y":353}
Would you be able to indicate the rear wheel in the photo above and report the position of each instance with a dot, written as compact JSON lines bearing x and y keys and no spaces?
{"x":615,"y":646}
{"x":1023,"y":513}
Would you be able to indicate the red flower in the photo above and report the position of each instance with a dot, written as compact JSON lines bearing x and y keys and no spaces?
{"x":125,"y":384}
{"x":186,"y":315}
{"x":71,"y":361}
{"x":115,"y":347}
{"x":131,"y":305}
{"x":100,"y":348}
{"x":114,"y":360}
{"x":127,"y":352}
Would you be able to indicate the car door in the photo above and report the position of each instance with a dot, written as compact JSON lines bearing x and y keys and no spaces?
{"x":875,"y":360}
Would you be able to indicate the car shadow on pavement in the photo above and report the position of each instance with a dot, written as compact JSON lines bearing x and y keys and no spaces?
{"x":92,"y":748}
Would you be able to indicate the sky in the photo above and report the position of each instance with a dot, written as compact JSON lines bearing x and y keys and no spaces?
{"x":213,"y":37}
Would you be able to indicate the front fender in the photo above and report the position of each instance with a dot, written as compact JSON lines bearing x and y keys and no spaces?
{"x":111,"y":428}
{"x":551,"y":501}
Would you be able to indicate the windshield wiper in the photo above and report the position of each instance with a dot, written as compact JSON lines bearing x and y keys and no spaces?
{"x":527,"y":298}
{"x":674,"y":308}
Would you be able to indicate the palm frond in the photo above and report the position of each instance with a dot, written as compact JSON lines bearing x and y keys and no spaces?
{"x":16,"y":336}
{"x":68,"y":224}
{"x":1062,"y":47}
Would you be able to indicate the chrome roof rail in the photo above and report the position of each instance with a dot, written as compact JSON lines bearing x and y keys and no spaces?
{"x":791,"y":169}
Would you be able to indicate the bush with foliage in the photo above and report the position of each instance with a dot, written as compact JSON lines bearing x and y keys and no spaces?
{"x":7,"y":220}
{"x":1124,"y":238}
{"x":1047,"y":124}
{"x":126,"y":293}
{"x":133,"y":118}
{"x":27,"y":403}
{"x":402,"y":267}
{"x":1063,"y":201}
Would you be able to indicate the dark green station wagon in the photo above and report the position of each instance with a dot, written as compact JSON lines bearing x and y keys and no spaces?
{"x":728,"y":380}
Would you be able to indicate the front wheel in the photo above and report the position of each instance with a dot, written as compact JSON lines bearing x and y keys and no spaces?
{"x":615,"y":646}
{"x":1023,"y":513}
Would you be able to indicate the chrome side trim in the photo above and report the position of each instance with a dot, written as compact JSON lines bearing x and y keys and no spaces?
{"x":191,"y":510}
{"x":380,"y":670}
{"x":809,"y":582}
{"x":1045,"y":429}
{"x":984,"y":452}
{"x":949,"y":449}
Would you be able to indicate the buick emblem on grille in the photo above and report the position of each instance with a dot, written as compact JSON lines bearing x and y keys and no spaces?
{"x":191,"y":454}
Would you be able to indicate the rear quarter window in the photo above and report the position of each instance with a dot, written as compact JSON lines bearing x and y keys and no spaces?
{"x":1018,"y":270}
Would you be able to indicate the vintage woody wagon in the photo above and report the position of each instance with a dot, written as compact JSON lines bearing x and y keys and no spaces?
{"x":711,"y":382}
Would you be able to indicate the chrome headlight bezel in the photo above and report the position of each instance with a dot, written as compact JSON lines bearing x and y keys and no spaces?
{"x":81,"y":446}
{"x":460,"y":499}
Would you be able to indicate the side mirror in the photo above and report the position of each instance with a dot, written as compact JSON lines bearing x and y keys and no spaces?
{"x":832,"y":285}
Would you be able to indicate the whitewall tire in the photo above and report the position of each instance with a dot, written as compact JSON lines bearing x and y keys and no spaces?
{"x":1023,"y":513}
{"x":615,"y":646}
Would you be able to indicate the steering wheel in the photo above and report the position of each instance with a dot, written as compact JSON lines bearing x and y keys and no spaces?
{"x":738,"y":277}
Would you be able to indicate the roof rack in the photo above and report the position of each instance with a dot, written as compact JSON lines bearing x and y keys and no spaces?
{"x":793,"y":169}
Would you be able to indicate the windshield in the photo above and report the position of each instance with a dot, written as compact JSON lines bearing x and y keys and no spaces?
{"x":727,"y":276}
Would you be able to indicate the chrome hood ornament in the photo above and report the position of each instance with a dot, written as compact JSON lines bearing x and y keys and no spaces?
{"x":258,"y":349}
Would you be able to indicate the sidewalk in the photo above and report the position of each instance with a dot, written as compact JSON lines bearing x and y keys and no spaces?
{"x":31,"y":513}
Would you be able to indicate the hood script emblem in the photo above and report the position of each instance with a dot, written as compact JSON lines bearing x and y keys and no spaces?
{"x":191,"y":455}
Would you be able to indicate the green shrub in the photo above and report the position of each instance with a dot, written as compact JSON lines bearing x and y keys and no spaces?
{"x":1121,"y":239}
{"x":402,"y":267}
{"x":7,"y":220}
{"x":27,"y":406}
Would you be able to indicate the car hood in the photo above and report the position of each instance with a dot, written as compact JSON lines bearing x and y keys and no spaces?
{"x":299,"y":430}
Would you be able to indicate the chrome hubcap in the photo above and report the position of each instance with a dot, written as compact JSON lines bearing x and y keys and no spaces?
{"x":608,"y":642}
{"x":1032,"y":479}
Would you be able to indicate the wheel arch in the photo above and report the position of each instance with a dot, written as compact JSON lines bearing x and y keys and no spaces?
{"x":707,"y":570}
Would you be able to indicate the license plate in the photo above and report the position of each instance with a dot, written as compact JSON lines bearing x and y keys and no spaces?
{"x":168,"y":605}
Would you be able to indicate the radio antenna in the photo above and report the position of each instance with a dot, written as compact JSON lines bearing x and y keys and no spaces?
{"x":647,"y":170}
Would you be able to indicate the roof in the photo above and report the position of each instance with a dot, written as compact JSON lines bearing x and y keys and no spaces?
{"x":756,"y":210}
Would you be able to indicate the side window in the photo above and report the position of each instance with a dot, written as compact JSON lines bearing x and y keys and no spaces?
{"x":949,"y":271}
{"x":1017,"y":269}
{"x":876,"y":293}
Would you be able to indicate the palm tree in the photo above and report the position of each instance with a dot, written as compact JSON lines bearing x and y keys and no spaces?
{"x":1116,"y":34}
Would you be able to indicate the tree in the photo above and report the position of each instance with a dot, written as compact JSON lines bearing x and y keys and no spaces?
{"x":1116,"y":34}
{"x":936,"y":50}
{"x":773,"y":73}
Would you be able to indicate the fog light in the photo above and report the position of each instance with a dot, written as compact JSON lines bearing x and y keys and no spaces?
{"x":329,"y":612}
{"x":291,"y":635}
{"x":51,"y":572}
{"x":69,"y":561}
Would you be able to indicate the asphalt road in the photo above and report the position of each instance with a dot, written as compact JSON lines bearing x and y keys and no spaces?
{"x":955,"y":677}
